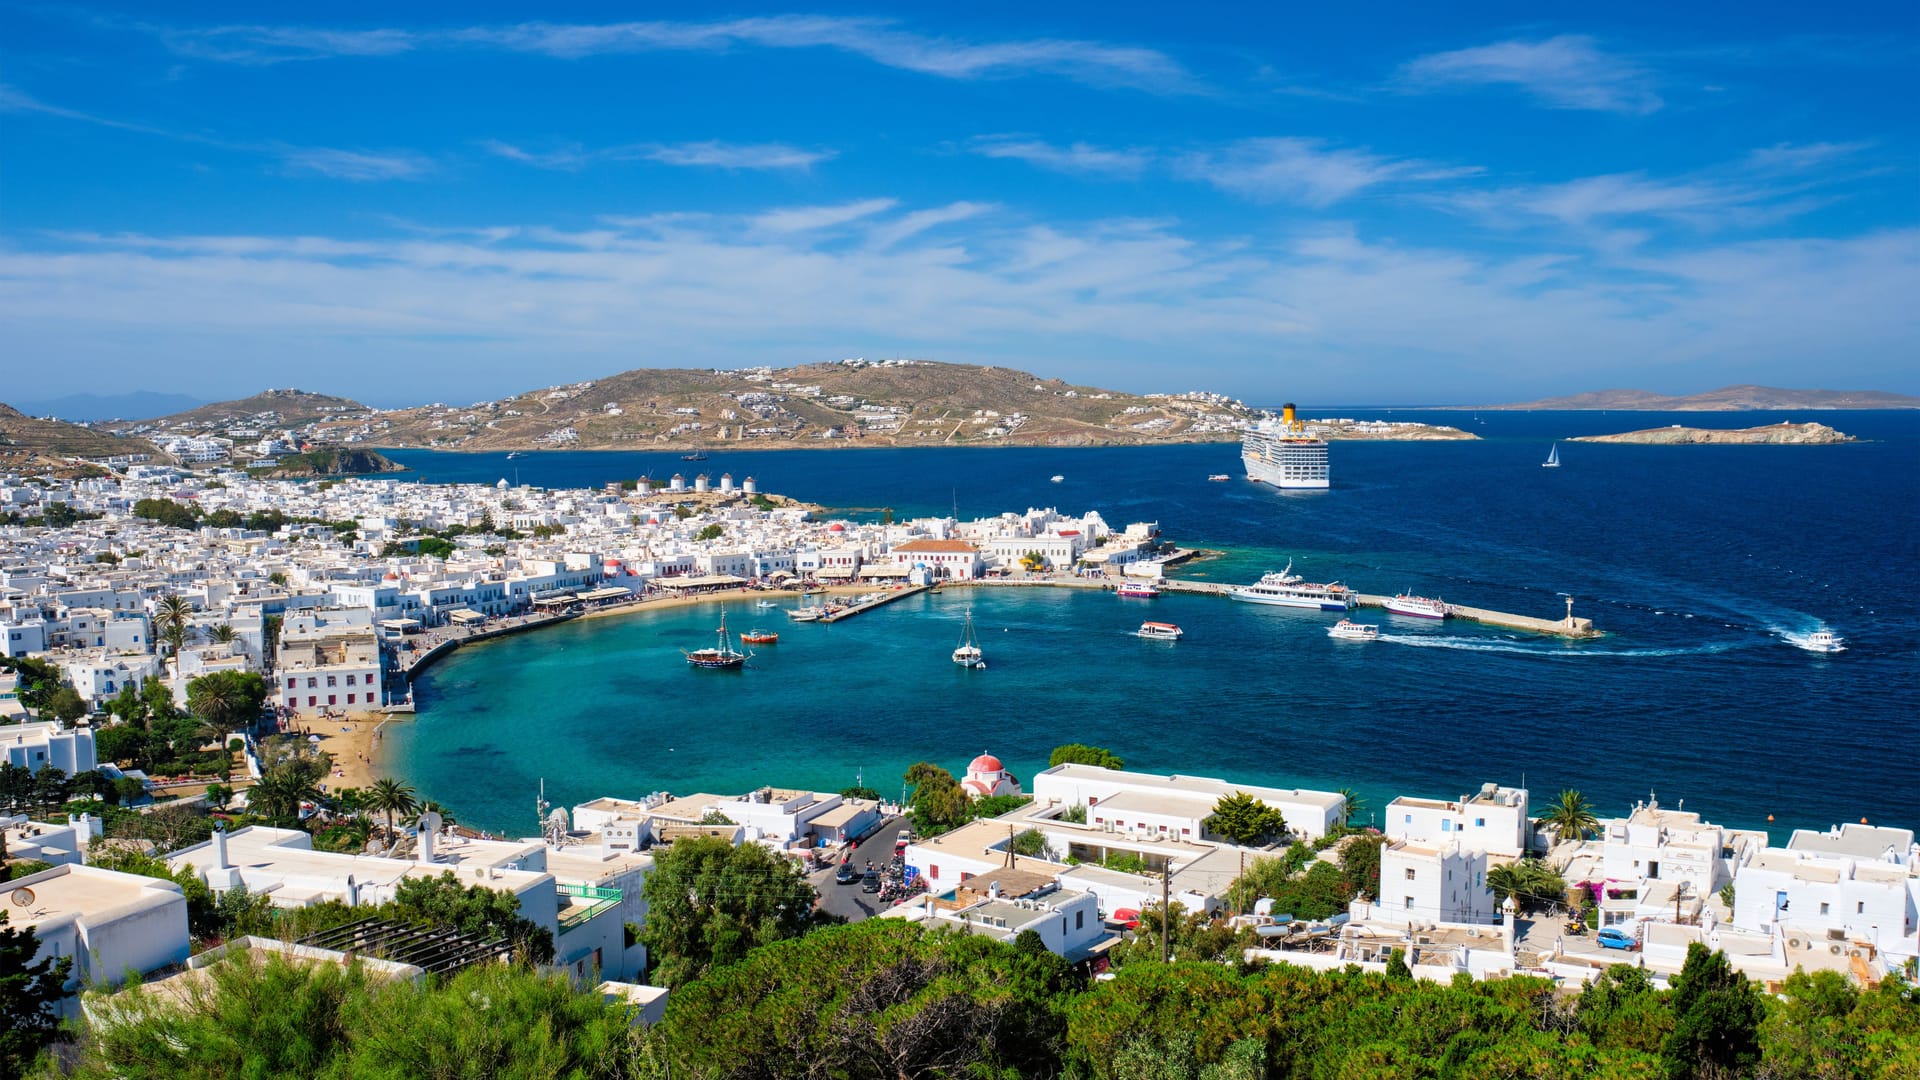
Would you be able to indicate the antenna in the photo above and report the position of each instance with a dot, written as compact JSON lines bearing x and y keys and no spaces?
{"x":540,"y":804}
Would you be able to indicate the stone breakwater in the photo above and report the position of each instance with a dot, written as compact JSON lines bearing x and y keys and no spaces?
{"x":1782,"y":434}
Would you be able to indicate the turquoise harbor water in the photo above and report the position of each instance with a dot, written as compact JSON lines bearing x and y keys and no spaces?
{"x":1701,"y":563}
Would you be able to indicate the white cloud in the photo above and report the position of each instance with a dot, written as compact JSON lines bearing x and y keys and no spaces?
{"x":1307,"y":171}
{"x":355,"y":165}
{"x":1565,"y":72}
{"x":879,"y":40}
{"x":709,"y":154}
{"x":798,"y":219}
{"x":1109,"y":300}
{"x":1078,"y":157}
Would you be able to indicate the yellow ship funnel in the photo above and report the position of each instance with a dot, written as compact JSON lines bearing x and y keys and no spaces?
{"x":1286,"y":414}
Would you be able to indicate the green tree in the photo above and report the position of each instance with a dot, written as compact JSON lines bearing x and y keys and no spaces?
{"x":1530,"y":882}
{"x":1571,"y":816}
{"x":227,"y":700}
{"x":65,"y":705}
{"x":711,"y":532}
{"x":128,"y":707}
{"x":1032,"y":843}
{"x":1081,"y":754}
{"x":1353,"y":807}
{"x":171,"y":616}
{"x":860,"y":791}
{"x":1360,"y":864}
{"x":682,"y":512}
{"x":38,"y":679}
{"x":224,"y":633}
{"x":1245,"y":820}
{"x":391,"y":797}
{"x":1716,"y":1018}
{"x":938,"y":802}
{"x":486,"y":521}
{"x":219,"y":795}
{"x":444,"y":903}
{"x":30,"y":993}
{"x":710,"y":903}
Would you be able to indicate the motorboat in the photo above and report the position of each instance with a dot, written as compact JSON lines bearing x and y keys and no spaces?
{"x":723,"y":657}
{"x":805,"y":614}
{"x":1823,"y":641}
{"x":968,"y":655}
{"x":1159,"y":631}
{"x":1420,"y":607}
{"x":759,"y":637}
{"x":1348,"y":630}
{"x":1056,"y":478}
{"x":1137,"y":590}
{"x":1219,"y":478}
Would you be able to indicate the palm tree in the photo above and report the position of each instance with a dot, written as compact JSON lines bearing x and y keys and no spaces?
{"x":1571,"y":816}
{"x":391,"y":797}
{"x":170,"y":618}
{"x":224,"y":633}
{"x":1356,"y":806}
{"x":446,"y":815}
{"x":280,"y":792}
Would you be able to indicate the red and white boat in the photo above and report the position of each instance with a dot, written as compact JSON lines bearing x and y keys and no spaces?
{"x":1159,"y":631}
{"x":1420,"y":607}
{"x":1138,"y":590}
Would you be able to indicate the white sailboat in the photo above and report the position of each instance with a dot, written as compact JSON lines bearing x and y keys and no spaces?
{"x":968,"y":655}
{"x":1553,"y":458}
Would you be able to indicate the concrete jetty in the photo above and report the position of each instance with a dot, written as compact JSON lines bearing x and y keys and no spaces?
{"x":1567,"y":627}
{"x":879,"y":601}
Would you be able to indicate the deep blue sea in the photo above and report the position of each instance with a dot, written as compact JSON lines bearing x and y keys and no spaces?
{"x":1700,"y":563}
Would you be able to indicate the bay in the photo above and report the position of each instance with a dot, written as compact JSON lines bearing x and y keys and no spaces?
{"x":1698,"y":562}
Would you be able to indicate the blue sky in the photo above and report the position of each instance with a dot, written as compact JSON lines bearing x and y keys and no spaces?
{"x":1343,"y":203}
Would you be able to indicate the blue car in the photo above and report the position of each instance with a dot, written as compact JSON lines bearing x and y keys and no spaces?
{"x":1612,"y":937}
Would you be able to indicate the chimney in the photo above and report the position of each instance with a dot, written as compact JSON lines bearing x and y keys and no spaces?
{"x":993,"y":891}
{"x":353,"y":892}
{"x":429,"y":825}
{"x":220,"y":848}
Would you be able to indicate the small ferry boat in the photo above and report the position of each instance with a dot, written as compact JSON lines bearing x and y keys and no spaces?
{"x":968,"y":655}
{"x":1286,"y":589}
{"x":1553,"y":458}
{"x":764,"y":604}
{"x":1420,"y":607}
{"x":1159,"y":631}
{"x":1056,"y":478}
{"x":804,"y":614}
{"x":721,"y":658}
{"x":1219,"y":478}
{"x":697,"y":455}
{"x":1823,"y":641}
{"x":759,"y":637}
{"x":1348,"y":630}
{"x":1138,"y":590}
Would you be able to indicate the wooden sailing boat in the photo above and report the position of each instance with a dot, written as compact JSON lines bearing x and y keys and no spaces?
{"x":968,"y":654}
{"x":724,"y":657}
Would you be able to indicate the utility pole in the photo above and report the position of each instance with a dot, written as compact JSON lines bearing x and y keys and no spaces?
{"x":1166,"y":913}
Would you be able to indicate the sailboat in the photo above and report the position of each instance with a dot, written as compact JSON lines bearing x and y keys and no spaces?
{"x":1553,"y":458}
{"x":968,"y":654}
{"x":725,"y":657}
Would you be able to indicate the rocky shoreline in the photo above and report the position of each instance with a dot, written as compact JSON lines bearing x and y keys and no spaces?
{"x":1785,"y":433}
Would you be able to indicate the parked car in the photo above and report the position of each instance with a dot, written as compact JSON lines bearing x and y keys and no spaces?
{"x":870,"y":883}
{"x":846,"y":875}
{"x":1613,"y":937}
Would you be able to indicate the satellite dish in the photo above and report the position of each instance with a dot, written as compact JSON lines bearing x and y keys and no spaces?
{"x":22,"y":897}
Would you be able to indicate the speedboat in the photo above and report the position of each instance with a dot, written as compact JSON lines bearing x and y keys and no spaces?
{"x":1138,"y":590}
{"x":1823,"y":641}
{"x":1056,"y":478}
{"x":1159,"y":631}
{"x":804,"y":614}
{"x":1348,"y":630}
{"x":1420,"y":607}
{"x":1219,"y":478}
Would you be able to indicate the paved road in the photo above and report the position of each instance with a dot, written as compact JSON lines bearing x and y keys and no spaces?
{"x":847,"y":901}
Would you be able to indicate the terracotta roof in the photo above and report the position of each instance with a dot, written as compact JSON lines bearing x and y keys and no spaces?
{"x":935,"y":545}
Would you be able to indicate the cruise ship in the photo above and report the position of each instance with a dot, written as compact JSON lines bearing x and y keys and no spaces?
{"x":1281,"y":453}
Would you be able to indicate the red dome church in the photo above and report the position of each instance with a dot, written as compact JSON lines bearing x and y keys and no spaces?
{"x":986,"y":776}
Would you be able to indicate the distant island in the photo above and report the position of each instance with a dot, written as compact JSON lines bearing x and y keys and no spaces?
{"x":1781,"y":434}
{"x":849,"y":403}
{"x":1725,"y":399}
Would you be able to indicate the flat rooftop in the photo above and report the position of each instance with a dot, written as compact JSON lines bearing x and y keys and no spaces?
{"x":65,"y":893}
{"x":1196,"y":785}
{"x":1853,"y":841}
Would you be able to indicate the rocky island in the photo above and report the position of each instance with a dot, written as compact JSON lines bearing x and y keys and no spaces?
{"x":1785,"y":433}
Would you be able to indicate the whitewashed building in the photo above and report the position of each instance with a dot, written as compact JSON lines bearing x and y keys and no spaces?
{"x":1494,"y":820}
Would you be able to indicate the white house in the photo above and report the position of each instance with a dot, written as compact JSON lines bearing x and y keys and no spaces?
{"x":1494,"y":820}
{"x":110,"y":923}
{"x":944,"y":560}
{"x":328,"y":666}
{"x":1434,"y":883}
{"x":1656,"y":844}
{"x":1175,"y":807}
{"x":1855,"y":882}
{"x":38,"y":746}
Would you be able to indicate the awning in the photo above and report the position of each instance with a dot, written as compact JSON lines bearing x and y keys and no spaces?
{"x":885,"y":571}
{"x":466,"y":615}
{"x":555,"y":601}
{"x":401,"y":624}
{"x":609,"y":593}
{"x":834,"y":572}
{"x":701,"y":581}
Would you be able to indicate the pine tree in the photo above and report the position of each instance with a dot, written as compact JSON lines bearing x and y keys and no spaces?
{"x":30,"y":990}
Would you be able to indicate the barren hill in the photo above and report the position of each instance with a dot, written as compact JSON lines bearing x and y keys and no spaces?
{"x":885,"y":403}
{"x":1781,"y":434}
{"x":270,"y":409}
{"x":24,"y":438}
{"x":1725,"y":399}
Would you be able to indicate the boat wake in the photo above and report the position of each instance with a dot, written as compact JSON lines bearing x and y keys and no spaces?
{"x":1548,"y":651}
{"x":1803,"y":639}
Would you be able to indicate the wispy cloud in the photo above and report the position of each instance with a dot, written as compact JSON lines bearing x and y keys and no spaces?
{"x":1335,"y":308}
{"x":1078,"y":157}
{"x":710,"y":154}
{"x":1307,"y":171}
{"x":882,"y":41}
{"x":1565,"y":72}
{"x":356,"y":165}
{"x":798,"y":219}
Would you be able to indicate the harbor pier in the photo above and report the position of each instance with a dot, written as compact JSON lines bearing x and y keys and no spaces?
{"x":1567,"y":627}
{"x":878,"y":601}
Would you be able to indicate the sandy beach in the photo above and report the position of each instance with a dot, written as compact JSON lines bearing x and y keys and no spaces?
{"x":356,"y":752}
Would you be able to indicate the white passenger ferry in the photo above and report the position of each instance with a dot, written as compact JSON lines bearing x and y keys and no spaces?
{"x":1281,"y":453}
{"x":1420,"y":607}
{"x":1285,"y":589}
{"x":1348,"y":630}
